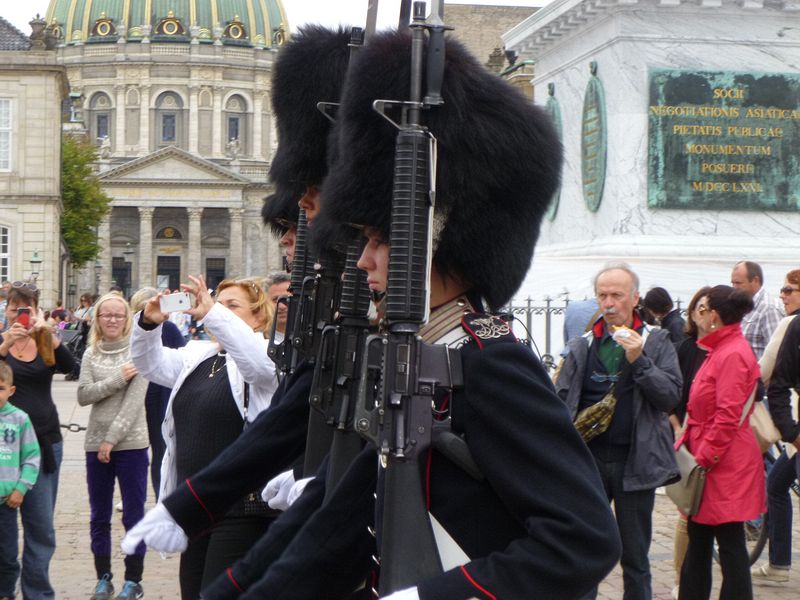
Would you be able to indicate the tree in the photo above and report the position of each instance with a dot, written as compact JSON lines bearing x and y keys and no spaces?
{"x":85,"y":203}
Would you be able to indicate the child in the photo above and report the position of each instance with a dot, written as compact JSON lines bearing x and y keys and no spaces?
{"x":19,"y":469}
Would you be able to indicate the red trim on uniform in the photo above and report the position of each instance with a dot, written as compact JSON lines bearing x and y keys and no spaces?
{"x":472,"y":333}
{"x":200,"y":502}
{"x":475,"y":583}
{"x":229,"y":571}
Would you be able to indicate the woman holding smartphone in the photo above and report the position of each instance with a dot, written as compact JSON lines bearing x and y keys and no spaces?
{"x":217,"y":388}
{"x":34,"y":353}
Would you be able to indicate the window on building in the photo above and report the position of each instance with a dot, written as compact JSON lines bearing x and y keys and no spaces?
{"x":5,"y":256}
{"x":170,"y":121}
{"x":168,"y":127}
{"x":236,"y":119}
{"x":101,"y":125}
{"x":5,"y":134}
{"x":215,"y":271}
{"x":233,"y":128}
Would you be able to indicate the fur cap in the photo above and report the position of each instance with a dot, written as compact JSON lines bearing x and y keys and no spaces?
{"x":499,"y":165}
{"x":280,"y":209}
{"x":311,"y":68}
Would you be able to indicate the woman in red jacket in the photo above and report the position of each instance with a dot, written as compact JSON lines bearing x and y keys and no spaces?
{"x":735,"y":489}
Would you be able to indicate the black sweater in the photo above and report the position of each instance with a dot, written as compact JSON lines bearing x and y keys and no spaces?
{"x":786,"y":376}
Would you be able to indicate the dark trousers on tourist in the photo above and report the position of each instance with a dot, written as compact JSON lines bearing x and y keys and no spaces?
{"x":634,"y":513}
{"x":212,"y":553}
{"x":129,"y":467}
{"x":779,"y":502}
{"x":696,"y":572}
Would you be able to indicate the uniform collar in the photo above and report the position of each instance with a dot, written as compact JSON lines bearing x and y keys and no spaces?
{"x":445,"y":318}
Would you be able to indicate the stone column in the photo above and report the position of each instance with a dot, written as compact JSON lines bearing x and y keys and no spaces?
{"x":194,"y":264}
{"x":144,"y":124}
{"x":235,"y":267}
{"x":258,"y":122}
{"x":194,"y":121}
{"x":104,"y":239}
{"x":119,"y":134}
{"x":146,"y":253}
{"x":217,"y":143}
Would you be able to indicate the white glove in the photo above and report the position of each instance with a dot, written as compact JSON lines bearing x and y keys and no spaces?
{"x":407,"y":594}
{"x":158,"y":530}
{"x":297,"y":490}
{"x":277,"y":490}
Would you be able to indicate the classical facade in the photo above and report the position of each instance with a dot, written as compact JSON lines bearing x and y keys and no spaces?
{"x":176,"y":97}
{"x":32,"y":87}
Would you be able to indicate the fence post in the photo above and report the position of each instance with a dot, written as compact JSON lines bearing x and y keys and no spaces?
{"x":547,"y":317}
{"x":529,"y":322}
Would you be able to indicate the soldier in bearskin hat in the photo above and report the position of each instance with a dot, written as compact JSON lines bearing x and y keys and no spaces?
{"x":274,"y":441}
{"x":534,"y":521}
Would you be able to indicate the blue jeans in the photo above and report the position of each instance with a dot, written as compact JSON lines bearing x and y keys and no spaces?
{"x":779,"y":506}
{"x":38,"y":533}
{"x":634,"y":512}
{"x":9,"y":565}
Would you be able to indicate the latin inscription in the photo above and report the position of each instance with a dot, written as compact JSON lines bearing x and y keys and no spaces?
{"x":723,"y":140}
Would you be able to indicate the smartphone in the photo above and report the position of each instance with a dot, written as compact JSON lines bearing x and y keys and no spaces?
{"x":24,"y":316}
{"x":175,"y":302}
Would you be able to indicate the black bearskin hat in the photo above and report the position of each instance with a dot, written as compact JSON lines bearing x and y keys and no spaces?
{"x":280,"y":209}
{"x":311,"y":68}
{"x":499,"y":164}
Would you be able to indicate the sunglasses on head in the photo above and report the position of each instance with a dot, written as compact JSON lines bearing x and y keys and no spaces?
{"x":24,"y":285}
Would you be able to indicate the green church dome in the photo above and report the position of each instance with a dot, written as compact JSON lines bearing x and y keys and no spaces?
{"x":257,"y":23}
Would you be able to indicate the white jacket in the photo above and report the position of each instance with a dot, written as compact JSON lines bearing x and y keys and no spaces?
{"x":246,"y":359}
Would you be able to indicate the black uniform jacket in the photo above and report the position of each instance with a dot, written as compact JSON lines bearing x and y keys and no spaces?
{"x":538,"y":526}
{"x":271,"y":444}
{"x":785,"y":376}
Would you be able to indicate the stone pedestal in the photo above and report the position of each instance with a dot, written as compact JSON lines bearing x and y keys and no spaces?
{"x":681,"y":248}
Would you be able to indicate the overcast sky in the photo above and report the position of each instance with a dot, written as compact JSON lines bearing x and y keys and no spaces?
{"x":327,"y":12}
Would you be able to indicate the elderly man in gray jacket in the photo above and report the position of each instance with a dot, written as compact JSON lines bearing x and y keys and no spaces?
{"x":634,"y":454}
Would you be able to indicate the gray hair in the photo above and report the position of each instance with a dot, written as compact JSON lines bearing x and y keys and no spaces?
{"x":617,"y":266}
{"x":278,"y":277}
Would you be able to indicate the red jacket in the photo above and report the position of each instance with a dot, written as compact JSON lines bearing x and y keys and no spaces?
{"x":735,"y":488}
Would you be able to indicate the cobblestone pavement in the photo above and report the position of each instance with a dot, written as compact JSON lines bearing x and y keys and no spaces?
{"x":72,"y":570}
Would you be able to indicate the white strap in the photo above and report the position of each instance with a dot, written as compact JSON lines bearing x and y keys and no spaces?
{"x":748,"y":404}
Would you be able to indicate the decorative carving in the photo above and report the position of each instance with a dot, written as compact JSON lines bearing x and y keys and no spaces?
{"x":235,"y":29}
{"x":594,"y":139}
{"x":103,"y":27}
{"x":171,"y":26}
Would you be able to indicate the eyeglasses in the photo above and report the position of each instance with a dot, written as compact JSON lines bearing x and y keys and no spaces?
{"x":112,"y":317}
{"x":603,"y":378}
{"x":788,"y":290}
{"x":701,"y":310}
{"x":24,"y":285}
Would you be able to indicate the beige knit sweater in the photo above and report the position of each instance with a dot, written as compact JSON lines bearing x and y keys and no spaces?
{"x":118,"y":414}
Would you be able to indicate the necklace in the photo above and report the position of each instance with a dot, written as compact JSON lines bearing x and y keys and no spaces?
{"x":18,"y":352}
{"x":214,"y":368}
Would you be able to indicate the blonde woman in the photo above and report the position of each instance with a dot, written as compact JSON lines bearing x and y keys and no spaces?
{"x":116,"y":440}
{"x":218,"y":386}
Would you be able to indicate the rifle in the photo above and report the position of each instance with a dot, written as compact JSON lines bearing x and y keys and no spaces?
{"x":285,"y":354}
{"x":400,"y":374}
{"x":335,"y":384}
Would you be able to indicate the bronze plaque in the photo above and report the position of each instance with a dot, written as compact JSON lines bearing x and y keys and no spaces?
{"x":724,"y":140}
{"x":594,"y":141}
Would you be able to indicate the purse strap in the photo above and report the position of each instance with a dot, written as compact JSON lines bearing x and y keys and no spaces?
{"x":246,"y":404}
{"x":748,"y":404}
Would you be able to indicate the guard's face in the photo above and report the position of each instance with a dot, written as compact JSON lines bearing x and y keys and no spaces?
{"x":375,"y":260}
{"x":616,"y":297}
{"x":310,"y":202}
{"x":287,"y":242}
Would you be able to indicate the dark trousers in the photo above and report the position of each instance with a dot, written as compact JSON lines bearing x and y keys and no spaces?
{"x":129,"y":467}
{"x":779,"y":503}
{"x":155,"y":406}
{"x":209,"y":555}
{"x":634,"y":513}
{"x":696,"y":572}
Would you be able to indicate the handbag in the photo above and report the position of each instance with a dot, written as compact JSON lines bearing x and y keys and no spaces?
{"x":687,"y":493}
{"x":763,"y":427}
{"x":595,"y":419}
